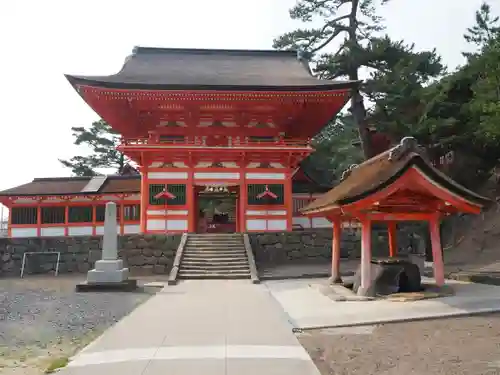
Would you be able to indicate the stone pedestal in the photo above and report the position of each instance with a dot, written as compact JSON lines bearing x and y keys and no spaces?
{"x":108,"y":273}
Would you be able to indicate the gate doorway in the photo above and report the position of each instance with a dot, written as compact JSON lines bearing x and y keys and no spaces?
{"x":217,"y":209}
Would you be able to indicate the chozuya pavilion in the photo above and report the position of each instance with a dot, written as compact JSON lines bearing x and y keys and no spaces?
{"x":397,"y":185}
{"x":218,"y":136}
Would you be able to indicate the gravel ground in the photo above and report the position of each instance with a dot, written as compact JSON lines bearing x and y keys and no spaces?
{"x":42,"y":318}
{"x":455,"y":346}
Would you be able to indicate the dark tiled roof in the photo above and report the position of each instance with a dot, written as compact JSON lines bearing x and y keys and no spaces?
{"x":181,"y":69}
{"x":378,"y":173}
{"x":125,"y":184}
{"x":73,"y":186}
{"x":113,"y":184}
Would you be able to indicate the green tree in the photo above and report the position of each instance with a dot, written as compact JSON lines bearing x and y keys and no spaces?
{"x":101,"y":140}
{"x":483,"y":32}
{"x":460,"y":111}
{"x":334,"y":151}
{"x":484,"y":65}
{"x":396,"y":70}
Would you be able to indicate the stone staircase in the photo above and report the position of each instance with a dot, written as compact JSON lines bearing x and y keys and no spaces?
{"x":215,"y":256}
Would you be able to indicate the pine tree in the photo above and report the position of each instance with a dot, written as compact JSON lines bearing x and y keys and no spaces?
{"x":101,"y":140}
{"x":483,"y":32}
{"x":395,"y":68}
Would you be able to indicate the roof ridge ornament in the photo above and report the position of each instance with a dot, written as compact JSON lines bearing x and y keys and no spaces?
{"x":348,"y":171}
{"x":405,"y":146}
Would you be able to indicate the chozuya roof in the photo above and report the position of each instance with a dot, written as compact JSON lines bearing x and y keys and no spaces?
{"x":204,"y":69}
{"x":383,"y":170}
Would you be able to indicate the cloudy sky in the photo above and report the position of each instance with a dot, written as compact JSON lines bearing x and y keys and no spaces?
{"x":42,"y":40}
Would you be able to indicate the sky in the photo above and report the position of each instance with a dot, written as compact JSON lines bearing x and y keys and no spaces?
{"x":42,"y":40}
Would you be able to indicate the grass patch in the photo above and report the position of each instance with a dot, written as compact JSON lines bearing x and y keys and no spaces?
{"x":56,"y":364}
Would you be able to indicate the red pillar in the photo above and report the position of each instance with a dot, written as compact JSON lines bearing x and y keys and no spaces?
{"x":190,"y":202}
{"x":337,"y":232}
{"x":437,"y":251}
{"x":122,"y":216}
{"x":238,"y":221}
{"x":393,"y":245}
{"x":94,"y":218}
{"x":288,"y":200}
{"x":144,"y":199}
{"x":366,"y":255}
{"x":38,"y":220}
{"x":66,"y":219}
{"x":243,"y":204}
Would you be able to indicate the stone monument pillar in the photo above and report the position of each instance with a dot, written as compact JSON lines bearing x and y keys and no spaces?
{"x":108,"y":273}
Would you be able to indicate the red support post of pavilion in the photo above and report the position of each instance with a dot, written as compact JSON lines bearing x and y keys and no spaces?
{"x":399,"y":184}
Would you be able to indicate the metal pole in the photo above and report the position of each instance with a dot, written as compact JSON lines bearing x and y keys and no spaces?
{"x":22,"y":266}
{"x":57,"y":264}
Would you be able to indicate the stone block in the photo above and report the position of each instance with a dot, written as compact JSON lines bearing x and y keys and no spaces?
{"x":159,"y":269}
{"x":83,"y":267}
{"x":163,"y":260}
{"x":108,"y":265}
{"x":100,"y":277}
{"x":128,"y":285}
{"x":151,"y":260}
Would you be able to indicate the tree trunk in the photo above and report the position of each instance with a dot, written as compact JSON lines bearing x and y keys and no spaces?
{"x":357,"y":104}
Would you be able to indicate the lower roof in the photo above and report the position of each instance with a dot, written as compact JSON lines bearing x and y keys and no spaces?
{"x":74,"y":186}
{"x":112,"y":185}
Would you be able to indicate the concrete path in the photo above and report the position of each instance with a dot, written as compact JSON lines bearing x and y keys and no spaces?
{"x":308,"y":308}
{"x":199,"y":327}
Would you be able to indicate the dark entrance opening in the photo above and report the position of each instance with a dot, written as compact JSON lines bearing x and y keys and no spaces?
{"x":216,"y":209}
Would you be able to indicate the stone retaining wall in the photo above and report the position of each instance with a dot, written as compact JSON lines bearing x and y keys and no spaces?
{"x":143,"y":254}
{"x":315,"y":245}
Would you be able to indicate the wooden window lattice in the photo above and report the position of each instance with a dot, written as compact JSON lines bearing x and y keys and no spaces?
{"x":298,"y":204}
{"x":255,"y":189}
{"x":23,"y":215}
{"x":132,"y":212}
{"x":53,"y":215}
{"x":178,"y":190}
{"x":80,"y":214}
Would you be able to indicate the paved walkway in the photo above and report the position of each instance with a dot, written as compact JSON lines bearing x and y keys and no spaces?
{"x":307,"y":307}
{"x":199,"y":327}
{"x":293,"y":271}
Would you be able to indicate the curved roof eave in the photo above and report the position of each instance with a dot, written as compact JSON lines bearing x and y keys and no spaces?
{"x":416,"y":161}
{"x":108,"y":83}
{"x":442,"y":180}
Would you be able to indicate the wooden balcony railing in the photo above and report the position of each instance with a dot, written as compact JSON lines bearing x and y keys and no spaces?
{"x":215,"y":142}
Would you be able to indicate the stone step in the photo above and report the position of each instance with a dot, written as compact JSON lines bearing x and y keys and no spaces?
{"x":203,"y":235}
{"x":214,"y":250}
{"x":214,"y":259}
{"x":215,"y":239}
{"x":211,"y":267}
{"x":214,"y":242}
{"x":189,"y":263}
{"x":214,"y":255}
{"x":215,"y":276}
{"x":210,"y":246}
{"x":214,"y":272}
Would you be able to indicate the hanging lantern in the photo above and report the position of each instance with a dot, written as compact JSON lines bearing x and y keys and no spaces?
{"x":267,"y":193}
{"x":164,"y":194}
